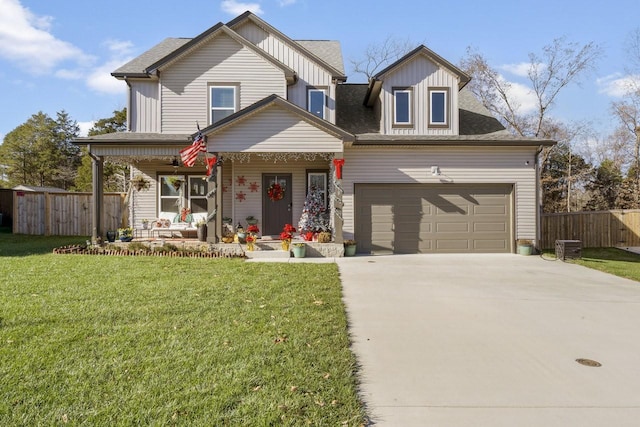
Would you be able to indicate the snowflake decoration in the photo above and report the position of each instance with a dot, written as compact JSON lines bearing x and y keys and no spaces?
{"x":241,"y":180}
{"x":225,"y":188}
{"x":253,"y":186}
{"x":240,"y":196}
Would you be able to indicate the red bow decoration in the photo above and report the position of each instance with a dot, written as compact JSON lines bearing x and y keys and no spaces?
{"x":338,"y":164}
{"x":211,"y":163}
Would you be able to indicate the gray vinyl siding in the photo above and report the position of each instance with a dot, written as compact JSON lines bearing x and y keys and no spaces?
{"x":310,"y":74}
{"x":274,"y":130}
{"x":185,"y":84}
{"x":420,"y":74}
{"x":145,"y":106}
{"x":457,"y":165}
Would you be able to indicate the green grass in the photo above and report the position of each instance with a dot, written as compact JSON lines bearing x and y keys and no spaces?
{"x":104,"y":340}
{"x":611,"y":260}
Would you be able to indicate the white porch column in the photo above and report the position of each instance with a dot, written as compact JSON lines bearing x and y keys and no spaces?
{"x":337,"y":205}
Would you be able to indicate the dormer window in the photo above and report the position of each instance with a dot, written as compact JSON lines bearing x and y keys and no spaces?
{"x":402,"y":111}
{"x":316,"y":101}
{"x":223,"y":102}
{"x":438,"y":107}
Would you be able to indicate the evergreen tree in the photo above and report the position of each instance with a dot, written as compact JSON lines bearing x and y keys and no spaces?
{"x":314,"y":216}
{"x":114,"y":174}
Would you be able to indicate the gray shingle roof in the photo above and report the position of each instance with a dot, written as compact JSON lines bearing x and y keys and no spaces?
{"x":476,"y":122}
{"x":117,"y":137}
{"x":137,"y":65}
{"x":327,"y":50}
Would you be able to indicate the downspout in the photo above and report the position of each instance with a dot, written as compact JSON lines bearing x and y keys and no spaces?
{"x":538,"y":197}
{"x":128,"y":105}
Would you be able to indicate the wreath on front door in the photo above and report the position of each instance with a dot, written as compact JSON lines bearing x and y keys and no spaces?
{"x":275,"y":192}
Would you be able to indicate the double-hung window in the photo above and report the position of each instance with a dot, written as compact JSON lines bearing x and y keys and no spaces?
{"x":317,"y":101}
{"x":178,"y":191}
{"x":402,"y":111}
{"x":438,"y":107}
{"x":223,"y":102}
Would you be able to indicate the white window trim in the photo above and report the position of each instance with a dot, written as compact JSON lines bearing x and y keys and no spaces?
{"x":409,"y":121}
{"x":324,"y":100}
{"x":179,"y":197}
{"x":212,"y":108}
{"x":203,"y":193}
{"x":325,"y":180}
{"x":446,"y":107}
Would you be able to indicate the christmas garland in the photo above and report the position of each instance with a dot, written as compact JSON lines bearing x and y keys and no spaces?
{"x":275,"y":192}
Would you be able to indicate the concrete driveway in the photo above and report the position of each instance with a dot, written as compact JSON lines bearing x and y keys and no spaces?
{"x":492,"y":340}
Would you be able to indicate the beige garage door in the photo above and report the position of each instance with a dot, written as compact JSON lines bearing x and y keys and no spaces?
{"x":421,"y":218}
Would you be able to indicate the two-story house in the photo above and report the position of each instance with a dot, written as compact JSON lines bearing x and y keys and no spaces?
{"x":409,"y":163}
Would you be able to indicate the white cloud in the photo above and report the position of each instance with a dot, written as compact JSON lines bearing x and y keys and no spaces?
{"x":284,"y":3}
{"x":85,"y":126}
{"x":101,"y":80}
{"x":26,"y":41}
{"x":618,"y":85}
{"x":520,"y":69}
{"x":235,"y":7}
{"x":524,"y":98}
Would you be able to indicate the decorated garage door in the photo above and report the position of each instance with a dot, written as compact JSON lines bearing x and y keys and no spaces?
{"x":421,"y":218}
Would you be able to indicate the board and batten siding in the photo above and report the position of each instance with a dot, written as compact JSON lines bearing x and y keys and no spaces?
{"x":274,"y":130}
{"x":185,"y":84}
{"x":419,"y":74}
{"x":310,"y":74}
{"x":457,"y":165}
{"x":145,"y":106}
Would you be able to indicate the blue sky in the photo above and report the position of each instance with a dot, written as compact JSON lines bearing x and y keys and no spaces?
{"x":57,"y":55}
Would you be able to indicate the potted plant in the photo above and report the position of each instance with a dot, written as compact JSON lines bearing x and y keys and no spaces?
{"x":299,"y":250}
{"x":125,"y":234}
{"x":286,"y":236}
{"x":525,"y":246}
{"x":201,"y":229}
{"x":111,"y":235}
{"x":250,"y":242}
{"x":175,"y":182}
{"x":324,"y":237}
{"x":145,"y":223}
{"x":139,"y":182}
{"x":349,"y":247}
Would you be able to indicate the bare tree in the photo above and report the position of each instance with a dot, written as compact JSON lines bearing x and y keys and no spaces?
{"x":379,"y":55}
{"x":560,"y":64}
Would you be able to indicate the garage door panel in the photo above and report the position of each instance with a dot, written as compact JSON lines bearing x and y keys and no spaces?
{"x":488,"y":227}
{"x":419,"y":218}
{"x":490,"y":210}
{"x":444,"y":245}
{"x":452,"y":227}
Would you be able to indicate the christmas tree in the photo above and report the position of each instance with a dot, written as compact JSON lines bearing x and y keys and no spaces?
{"x":314,"y":217}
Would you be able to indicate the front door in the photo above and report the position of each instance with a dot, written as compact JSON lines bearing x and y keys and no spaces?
{"x":276,"y":208}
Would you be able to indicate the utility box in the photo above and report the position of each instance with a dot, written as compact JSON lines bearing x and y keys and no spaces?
{"x":568,"y":249}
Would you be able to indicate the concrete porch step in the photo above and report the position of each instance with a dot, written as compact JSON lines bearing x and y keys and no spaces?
{"x":273,"y":254}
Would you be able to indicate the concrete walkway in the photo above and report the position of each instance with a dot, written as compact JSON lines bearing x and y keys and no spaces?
{"x":492,"y":340}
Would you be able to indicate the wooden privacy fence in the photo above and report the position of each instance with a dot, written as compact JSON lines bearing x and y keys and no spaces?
{"x":62,"y":214}
{"x":602,"y":229}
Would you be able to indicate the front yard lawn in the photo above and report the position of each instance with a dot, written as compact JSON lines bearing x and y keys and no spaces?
{"x":612,"y":260}
{"x":106,"y":340}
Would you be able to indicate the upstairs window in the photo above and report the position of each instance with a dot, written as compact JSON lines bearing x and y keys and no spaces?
{"x":438,"y":107}
{"x":402,"y":114}
{"x":316,"y":102}
{"x":223,"y":102}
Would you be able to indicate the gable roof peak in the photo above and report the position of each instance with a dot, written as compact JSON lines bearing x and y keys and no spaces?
{"x":463,"y":77}
{"x":337,"y":74}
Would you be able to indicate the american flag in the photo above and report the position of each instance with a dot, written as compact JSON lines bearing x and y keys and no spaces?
{"x":190,"y":153}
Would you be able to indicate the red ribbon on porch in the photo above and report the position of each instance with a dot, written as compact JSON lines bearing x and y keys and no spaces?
{"x":211,"y":162}
{"x":338,"y":164}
